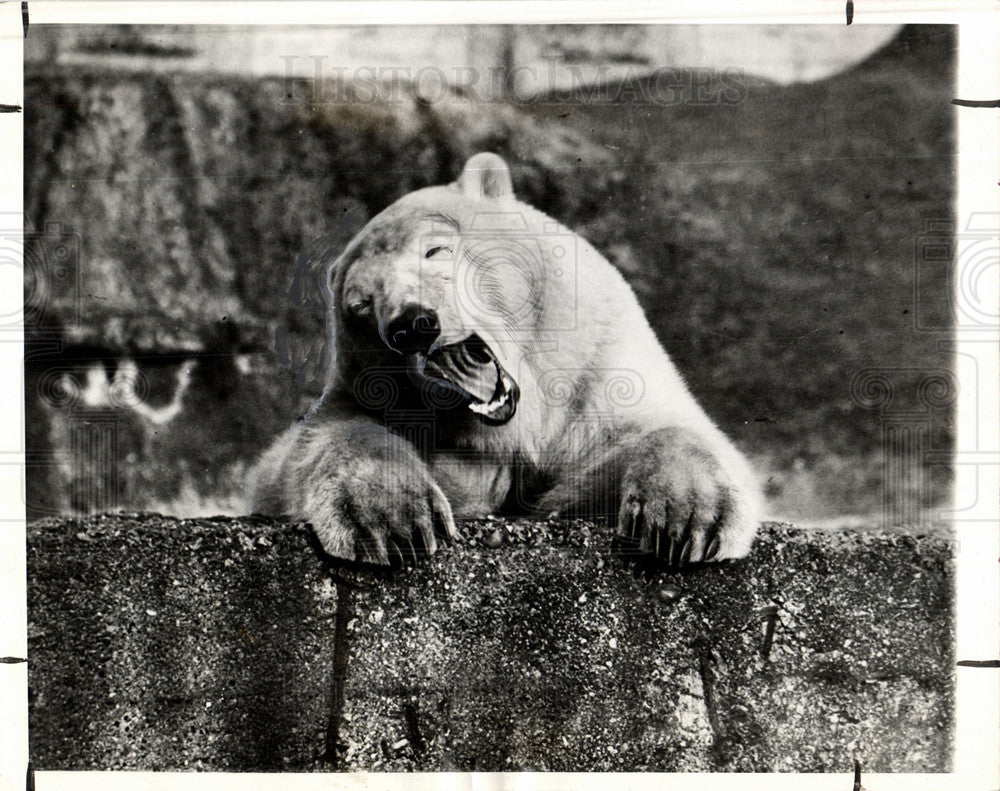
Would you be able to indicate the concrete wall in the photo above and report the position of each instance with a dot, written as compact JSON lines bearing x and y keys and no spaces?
{"x":229,"y":645}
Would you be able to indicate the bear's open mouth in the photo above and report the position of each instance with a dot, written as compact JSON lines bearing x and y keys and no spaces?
{"x":472,"y":373}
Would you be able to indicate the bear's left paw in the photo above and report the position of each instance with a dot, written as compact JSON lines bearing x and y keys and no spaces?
{"x":683,"y":503}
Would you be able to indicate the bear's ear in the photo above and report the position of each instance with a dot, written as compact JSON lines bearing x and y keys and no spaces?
{"x":486,"y":175}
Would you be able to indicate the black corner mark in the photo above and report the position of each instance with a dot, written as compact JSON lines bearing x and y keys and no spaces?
{"x":24,"y":17}
{"x":850,"y":11}
{"x":29,"y":778}
{"x":12,"y":660}
{"x":857,"y":775}
{"x":989,"y":663}
{"x":10,"y":108}
{"x":976,"y":103}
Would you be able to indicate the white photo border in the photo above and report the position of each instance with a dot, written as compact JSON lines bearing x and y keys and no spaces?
{"x":977,"y":509}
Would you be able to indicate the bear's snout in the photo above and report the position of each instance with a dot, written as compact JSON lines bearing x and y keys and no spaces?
{"x":414,"y":330}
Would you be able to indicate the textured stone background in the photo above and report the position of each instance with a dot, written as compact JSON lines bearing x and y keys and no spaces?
{"x":227,"y":644}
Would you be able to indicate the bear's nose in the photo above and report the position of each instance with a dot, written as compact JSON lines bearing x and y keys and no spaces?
{"x":413,"y":330}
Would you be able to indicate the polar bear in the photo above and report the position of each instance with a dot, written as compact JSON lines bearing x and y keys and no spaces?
{"x":487,"y":360}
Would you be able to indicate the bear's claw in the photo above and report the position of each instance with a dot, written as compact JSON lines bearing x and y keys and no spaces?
{"x":378,"y":508}
{"x":682,"y":503}
{"x":647,"y":532}
{"x":400,"y":542}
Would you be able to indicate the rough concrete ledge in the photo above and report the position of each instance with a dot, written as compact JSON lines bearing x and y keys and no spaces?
{"x":227,"y":644}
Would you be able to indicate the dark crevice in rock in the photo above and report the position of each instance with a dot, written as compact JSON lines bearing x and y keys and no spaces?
{"x":334,"y":749}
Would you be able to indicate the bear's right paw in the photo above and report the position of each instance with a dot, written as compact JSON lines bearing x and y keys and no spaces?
{"x":377,"y":513}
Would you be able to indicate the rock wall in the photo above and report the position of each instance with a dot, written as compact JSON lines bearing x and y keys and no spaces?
{"x":158,"y":644}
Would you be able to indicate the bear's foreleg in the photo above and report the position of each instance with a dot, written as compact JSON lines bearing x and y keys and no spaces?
{"x":364,"y":490}
{"x":686,"y":497}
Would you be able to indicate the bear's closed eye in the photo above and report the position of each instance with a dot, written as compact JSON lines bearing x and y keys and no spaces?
{"x":435,"y":250}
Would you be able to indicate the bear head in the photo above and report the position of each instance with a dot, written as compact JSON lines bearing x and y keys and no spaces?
{"x":434,"y":299}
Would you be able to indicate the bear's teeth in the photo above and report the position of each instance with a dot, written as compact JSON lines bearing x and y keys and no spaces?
{"x":491,"y":407}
